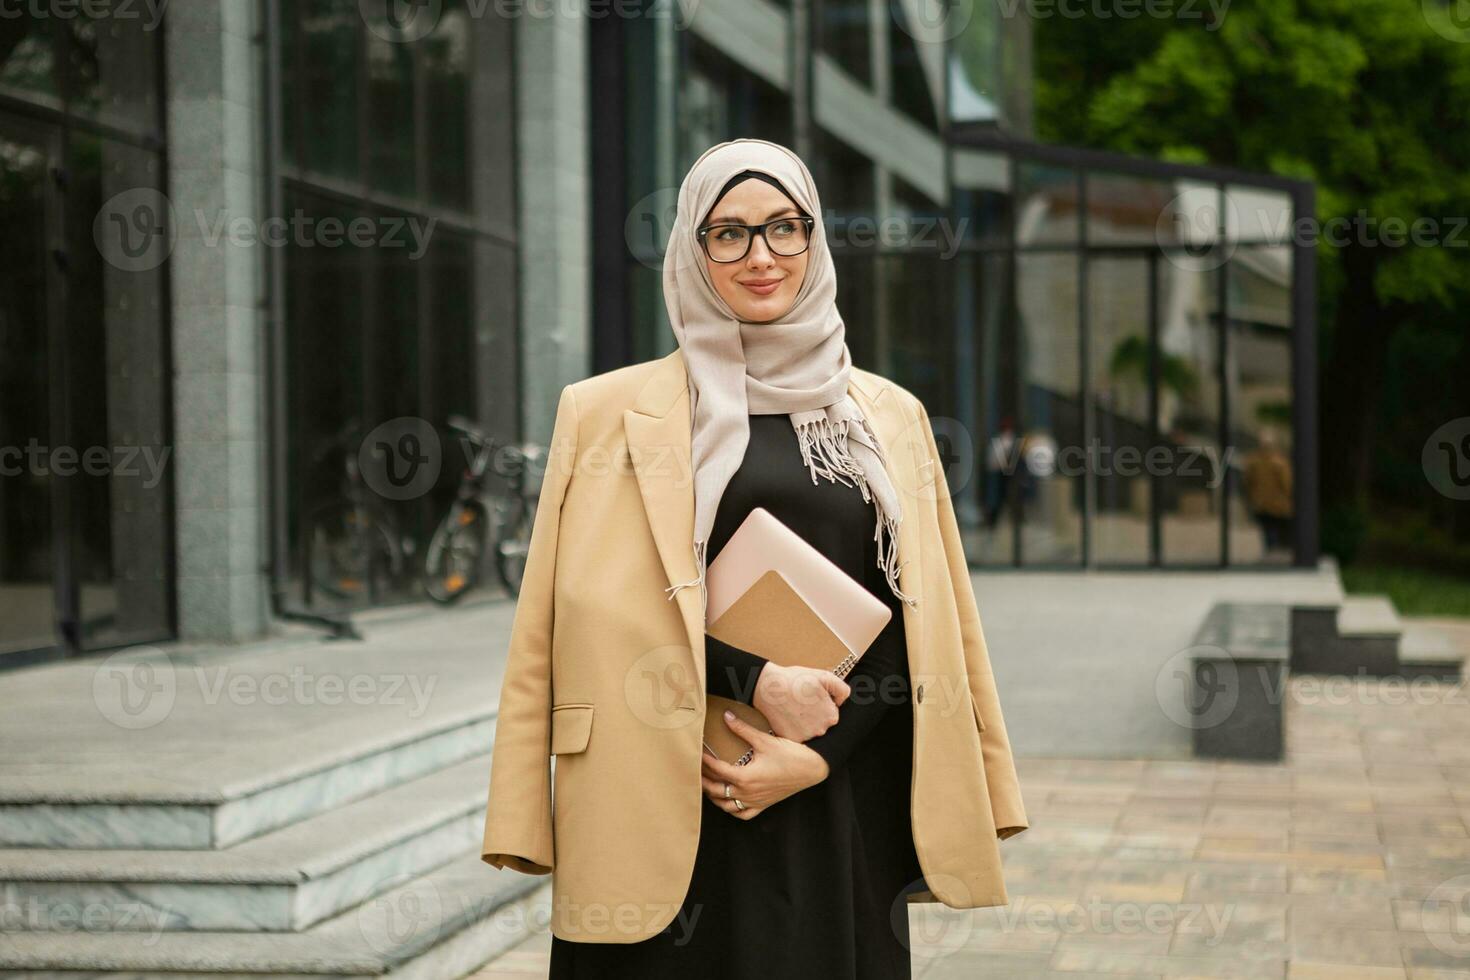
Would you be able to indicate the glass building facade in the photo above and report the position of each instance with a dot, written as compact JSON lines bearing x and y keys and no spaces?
{"x":417,"y":138}
{"x":86,"y":512}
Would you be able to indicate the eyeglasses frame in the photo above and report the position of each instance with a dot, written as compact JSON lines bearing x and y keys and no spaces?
{"x":754,"y":230}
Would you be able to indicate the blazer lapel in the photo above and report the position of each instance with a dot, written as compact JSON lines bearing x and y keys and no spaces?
{"x":658,"y":435}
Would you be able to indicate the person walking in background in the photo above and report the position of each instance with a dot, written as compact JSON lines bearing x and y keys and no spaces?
{"x":1268,"y":490}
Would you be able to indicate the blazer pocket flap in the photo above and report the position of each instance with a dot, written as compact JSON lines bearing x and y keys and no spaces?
{"x":571,"y":727}
{"x":979,"y":722}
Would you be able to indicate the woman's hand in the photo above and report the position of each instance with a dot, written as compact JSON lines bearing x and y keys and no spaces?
{"x":779,"y":768}
{"x":799,"y":702}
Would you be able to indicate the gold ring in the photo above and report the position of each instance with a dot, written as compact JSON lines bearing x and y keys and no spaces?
{"x":739,"y":805}
{"x":727,"y":791}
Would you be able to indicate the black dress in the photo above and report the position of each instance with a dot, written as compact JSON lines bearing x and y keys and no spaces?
{"x":814,"y":886}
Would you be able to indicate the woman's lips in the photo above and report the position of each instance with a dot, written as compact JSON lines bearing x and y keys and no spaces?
{"x":762,"y":287}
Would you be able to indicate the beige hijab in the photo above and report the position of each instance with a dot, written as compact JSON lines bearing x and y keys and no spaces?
{"x":796,"y":365}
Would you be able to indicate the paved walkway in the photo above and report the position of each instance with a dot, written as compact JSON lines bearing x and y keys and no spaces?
{"x":1350,"y":861}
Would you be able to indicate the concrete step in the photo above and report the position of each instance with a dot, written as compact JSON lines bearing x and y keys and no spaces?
{"x":165,"y":747}
{"x":1368,"y":615}
{"x":1435,"y":646}
{"x":312,"y":784}
{"x":1368,"y":633}
{"x":444,"y":924}
{"x":283,"y":881}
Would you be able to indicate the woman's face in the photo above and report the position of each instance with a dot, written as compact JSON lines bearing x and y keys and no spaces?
{"x":763,"y":285}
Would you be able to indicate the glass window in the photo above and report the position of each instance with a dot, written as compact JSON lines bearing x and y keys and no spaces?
{"x":976,"y":82}
{"x":111,"y":65}
{"x":446,"y":60}
{"x":1127,"y":210}
{"x":119,"y":380}
{"x":1259,"y":403}
{"x":1040,"y":451}
{"x":1046,"y":205}
{"x":983,"y":197}
{"x":846,"y":35}
{"x":1257,"y":216}
{"x":990,"y":64}
{"x":419,"y":321}
{"x":1190,"y":460}
{"x":844,"y":179}
{"x":321,"y":58}
{"x":83,"y":335}
{"x":917,"y":88}
{"x":28,"y":59}
{"x":27,"y":310}
{"x":997,"y":408}
{"x":719,"y":100}
{"x":1118,"y":369}
{"x":391,"y":116}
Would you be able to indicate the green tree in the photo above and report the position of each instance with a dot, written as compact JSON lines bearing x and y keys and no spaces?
{"x":1370,"y":99}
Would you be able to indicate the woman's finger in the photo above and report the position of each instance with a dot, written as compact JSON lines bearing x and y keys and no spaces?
{"x":745,"y":730}
{"x":720,"y":769}
{"x":716,"y":789}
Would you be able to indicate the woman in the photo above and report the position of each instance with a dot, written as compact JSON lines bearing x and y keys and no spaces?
{"x":804,"y":859}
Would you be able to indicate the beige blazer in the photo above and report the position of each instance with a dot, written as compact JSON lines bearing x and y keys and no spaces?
{"x":606,"y":671}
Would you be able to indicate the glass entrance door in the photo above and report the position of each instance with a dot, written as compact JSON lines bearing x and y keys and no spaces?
{"x":29,"y":549}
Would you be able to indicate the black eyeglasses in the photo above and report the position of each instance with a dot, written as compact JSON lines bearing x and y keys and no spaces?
{"x":730,"y":242}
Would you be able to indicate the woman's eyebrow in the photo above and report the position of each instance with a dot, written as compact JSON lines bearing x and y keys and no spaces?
{"x":731,"y":219}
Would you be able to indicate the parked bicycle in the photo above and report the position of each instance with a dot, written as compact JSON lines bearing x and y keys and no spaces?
{"x":479,"y":518}
{"x":353,"y":545}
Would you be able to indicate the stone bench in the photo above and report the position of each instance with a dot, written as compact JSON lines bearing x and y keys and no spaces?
{"x":1241,"y":659}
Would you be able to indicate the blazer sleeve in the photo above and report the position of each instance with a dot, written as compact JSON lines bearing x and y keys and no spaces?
{"x":1000,"y":768}
{"x":518,"y":816}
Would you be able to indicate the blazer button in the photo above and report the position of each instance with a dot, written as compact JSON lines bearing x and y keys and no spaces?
{"x":920,"y":693}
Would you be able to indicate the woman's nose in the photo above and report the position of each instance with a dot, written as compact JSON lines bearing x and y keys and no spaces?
{"x":760,"y":256}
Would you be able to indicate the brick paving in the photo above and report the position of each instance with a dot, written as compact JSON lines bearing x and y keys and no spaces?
{"x":1348,"y":861}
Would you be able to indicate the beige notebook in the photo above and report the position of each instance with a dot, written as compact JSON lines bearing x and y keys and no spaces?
{"x":772,"y":593}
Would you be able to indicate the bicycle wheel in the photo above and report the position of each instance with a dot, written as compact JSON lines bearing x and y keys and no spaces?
{"x":348,"y":545}
{"x":456,"y":553}
{"x":514,"y":542}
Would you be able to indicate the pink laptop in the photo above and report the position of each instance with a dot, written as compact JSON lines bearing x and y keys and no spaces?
{"x":762,"y":544}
